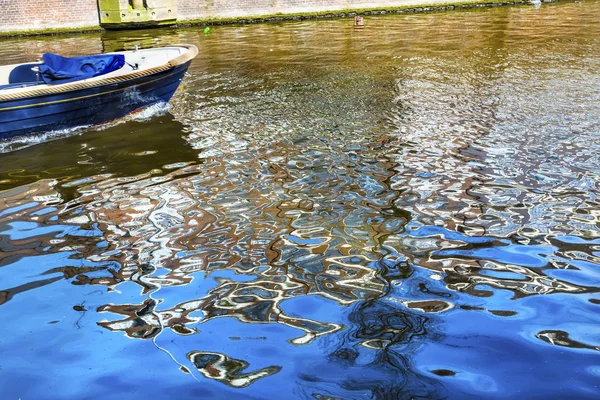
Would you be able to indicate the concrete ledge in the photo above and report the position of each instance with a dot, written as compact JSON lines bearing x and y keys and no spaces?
{"x":405,"y":9}
{"x":49,"y":31}
{"x":417,"y":7}
{"x":118,"y":26}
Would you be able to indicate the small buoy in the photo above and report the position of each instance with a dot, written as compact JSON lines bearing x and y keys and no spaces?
{"x":207,"y":30}
{"x":358,"y":21}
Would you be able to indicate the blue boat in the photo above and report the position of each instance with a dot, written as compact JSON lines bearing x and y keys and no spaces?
{"x":61,"y":93}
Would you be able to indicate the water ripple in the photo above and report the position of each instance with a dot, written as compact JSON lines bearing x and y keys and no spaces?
{"x":405,"y":211}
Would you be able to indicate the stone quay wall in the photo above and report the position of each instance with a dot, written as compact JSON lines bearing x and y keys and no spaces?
{"x":49,"y":15}
{"x":27,"y":16}
{"x":230,"y":9}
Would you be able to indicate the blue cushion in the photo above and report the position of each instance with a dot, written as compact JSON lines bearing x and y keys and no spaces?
{"x":57,"y":69}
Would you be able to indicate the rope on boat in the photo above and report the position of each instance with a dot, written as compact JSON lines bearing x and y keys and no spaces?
{"x":34,"y":91}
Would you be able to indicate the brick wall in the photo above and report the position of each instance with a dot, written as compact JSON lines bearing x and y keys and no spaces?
{"x":18,"y":15}
{"x":196,"y":9}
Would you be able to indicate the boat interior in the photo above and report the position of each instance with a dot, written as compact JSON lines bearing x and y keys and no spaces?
{"x":18,"y":76}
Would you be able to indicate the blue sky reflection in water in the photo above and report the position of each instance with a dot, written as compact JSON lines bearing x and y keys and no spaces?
{"x":404,"y":211}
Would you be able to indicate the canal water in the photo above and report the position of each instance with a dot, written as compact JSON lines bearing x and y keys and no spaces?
{"x":405,"y":211}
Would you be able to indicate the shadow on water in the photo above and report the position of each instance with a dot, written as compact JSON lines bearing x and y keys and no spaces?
{"x":119,"y":149}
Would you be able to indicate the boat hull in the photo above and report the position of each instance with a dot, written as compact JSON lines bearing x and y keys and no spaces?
{"x":88,"y":106}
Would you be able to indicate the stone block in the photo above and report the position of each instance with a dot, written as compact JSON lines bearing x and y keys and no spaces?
{"x":122,"y":14}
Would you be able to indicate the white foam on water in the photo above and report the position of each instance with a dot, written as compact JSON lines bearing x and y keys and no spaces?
{"x":21,"y":142}
{"x":143,"y":115}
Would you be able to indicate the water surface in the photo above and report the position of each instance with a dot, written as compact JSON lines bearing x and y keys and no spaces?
{"x":404,"y":211}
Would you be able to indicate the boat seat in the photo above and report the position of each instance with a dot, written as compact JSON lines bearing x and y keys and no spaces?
{"x":23,"y":74}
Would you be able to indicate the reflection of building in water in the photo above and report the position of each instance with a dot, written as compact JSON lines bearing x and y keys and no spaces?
{"x":160,"y":233}
{"x":466,"y":264}
{"x":316,"y":195}
{"x":165,"y":231}
{"x":227,"y":370}
{"x":163,"y":235}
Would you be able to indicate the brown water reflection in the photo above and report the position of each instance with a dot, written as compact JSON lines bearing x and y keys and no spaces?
{"x":308,"y":160}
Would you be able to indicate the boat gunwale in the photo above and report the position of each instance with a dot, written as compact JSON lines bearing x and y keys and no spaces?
{"x":164,"y":74}
{"x":36,"y":91}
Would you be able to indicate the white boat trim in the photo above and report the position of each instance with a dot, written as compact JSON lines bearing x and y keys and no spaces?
{"x":123,"y":74}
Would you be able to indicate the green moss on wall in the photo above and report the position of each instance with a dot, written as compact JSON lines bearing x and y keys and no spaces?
{"x":49,"y":31}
